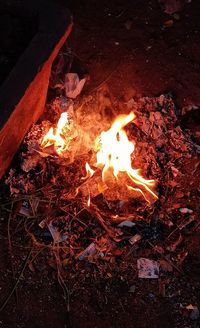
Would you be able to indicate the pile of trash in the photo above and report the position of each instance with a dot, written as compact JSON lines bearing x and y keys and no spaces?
{"x":108,"y":233}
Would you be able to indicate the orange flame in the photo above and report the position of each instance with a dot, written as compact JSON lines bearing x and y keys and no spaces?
{"x":89,"y":201}
{"x":89,"y":174}
{"x":55,"y":136}
{"x":89,"y":171}
{"x":115,"y":154}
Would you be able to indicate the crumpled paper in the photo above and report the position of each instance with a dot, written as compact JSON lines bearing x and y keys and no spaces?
{"x":148,"y":269}
{"x":73,"y":85}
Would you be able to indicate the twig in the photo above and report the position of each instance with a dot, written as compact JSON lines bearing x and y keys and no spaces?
{"x":165,"y":257}
{"x":10,"y":251}
{"x":105,"y":80}
{"x":65,"y":289}
{"x":25,"y":198}
{"x":171,"y":233}
{"x":36,"y":255}
{"x":74,"y":217}
{"x":196,"y":227}
{"x":17,"y":282}
{"x":113,"y":234}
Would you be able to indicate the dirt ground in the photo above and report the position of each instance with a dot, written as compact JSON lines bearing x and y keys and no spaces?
{"x":16,"y":31}
{"x":138,"y":50}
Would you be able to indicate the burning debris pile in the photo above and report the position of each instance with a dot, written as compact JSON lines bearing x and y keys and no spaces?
{"x":113,"y":157}
{"x":109,"y":156}
{"x":97,"y":184}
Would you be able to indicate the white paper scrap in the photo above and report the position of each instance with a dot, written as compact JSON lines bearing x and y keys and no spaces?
{"x":147,"y":269}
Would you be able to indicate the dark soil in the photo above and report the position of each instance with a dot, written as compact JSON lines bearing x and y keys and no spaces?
{"x":126,"y":45}
{"x":16,"y":32}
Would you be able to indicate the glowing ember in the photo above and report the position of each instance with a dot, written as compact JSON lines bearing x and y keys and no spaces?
{"x":55,"y":136}
{"x":115,"y":157}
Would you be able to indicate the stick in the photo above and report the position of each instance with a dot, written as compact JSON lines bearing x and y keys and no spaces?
{"x":93,"y":210}
{"x":17,"y":282}
{"x":10,"y":251}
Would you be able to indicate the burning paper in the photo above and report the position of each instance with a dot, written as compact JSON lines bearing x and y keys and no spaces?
{"x":112,"y":173}
{"x":114,"y":157}
{"x":56,"y":136}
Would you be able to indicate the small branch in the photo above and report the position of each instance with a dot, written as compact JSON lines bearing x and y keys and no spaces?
{"x":17,"y":282}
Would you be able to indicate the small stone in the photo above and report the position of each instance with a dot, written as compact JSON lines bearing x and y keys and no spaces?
{"x":126,"y":223}
{"x":165,"y":266}
{"x":128,"y":24}
{"x":176,"y":205}
{"x":194,"y":315}
{"x":185,"y":210}
{"x":151,"y":296}
{"x":176,"y":16}
{"x":168,"y":23}
{"x":180,"y":194}
{"x":132,"y":289}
